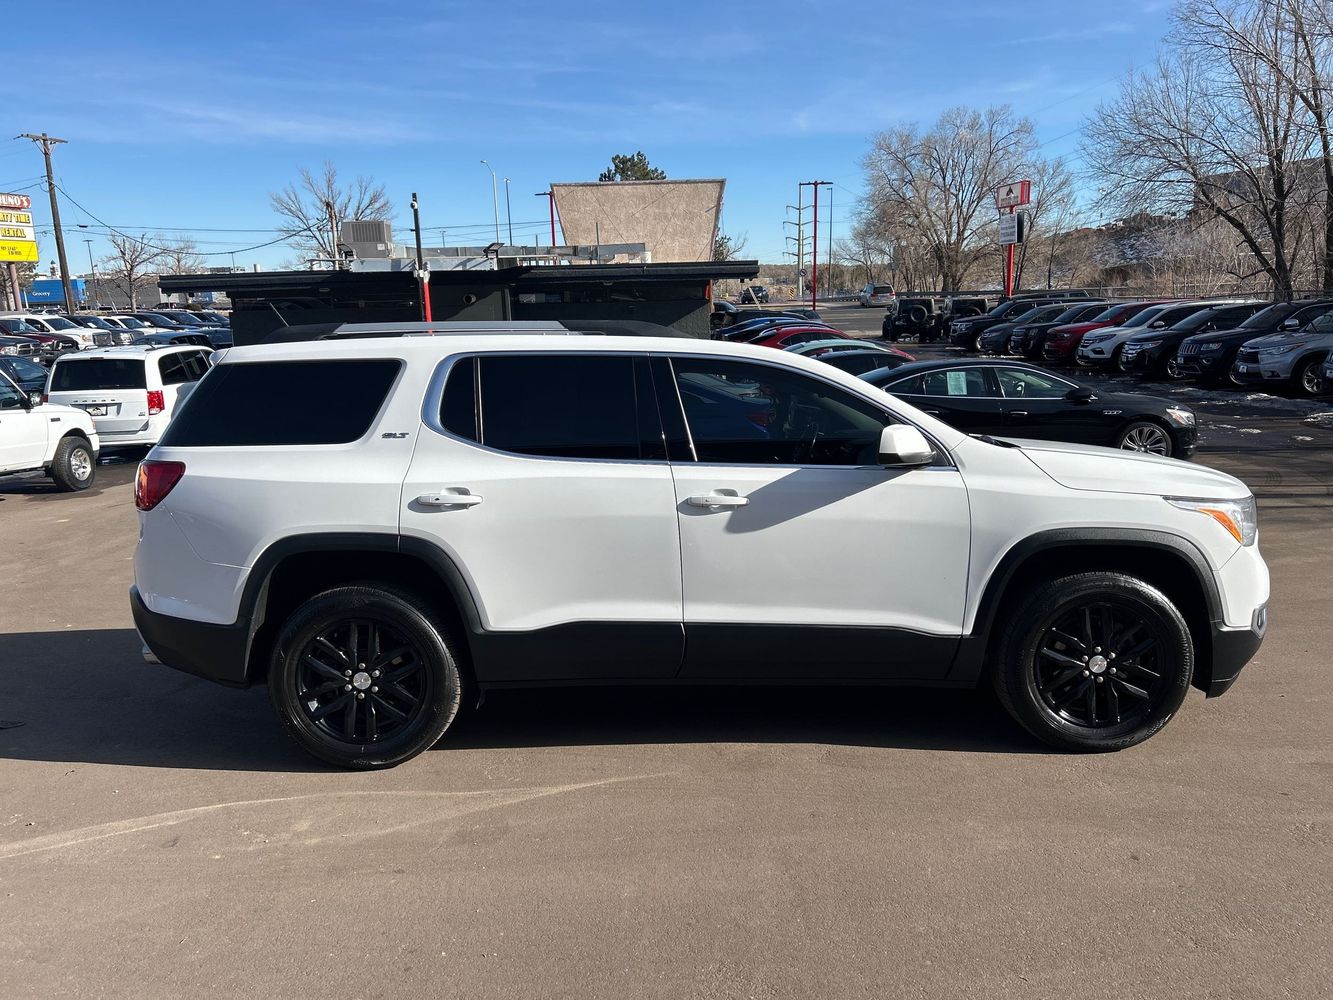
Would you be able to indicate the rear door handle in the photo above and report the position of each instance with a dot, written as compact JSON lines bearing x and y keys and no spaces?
{"x":718,"y":499}
{"x":448,"y":498}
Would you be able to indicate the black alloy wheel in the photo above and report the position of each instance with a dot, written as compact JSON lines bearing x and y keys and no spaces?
{"x":364,"y":676}
{"x":1095,"y":661}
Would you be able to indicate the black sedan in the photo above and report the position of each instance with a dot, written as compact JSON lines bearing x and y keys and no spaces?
{"x":27,"y":375}
{"x":1013,"y":399}
{"x":1209,"y":356}
{"x":1155,"y":351}
{"x":861,"y":362}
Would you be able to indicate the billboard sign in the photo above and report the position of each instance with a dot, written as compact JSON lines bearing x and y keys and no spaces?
{"x":1013,"y":194}
{"x":18,"y":240}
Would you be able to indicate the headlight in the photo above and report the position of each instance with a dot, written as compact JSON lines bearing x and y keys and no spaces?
{"x":1272,"y":352}
{"x":963,"y":325}
{"x":1210,"y":346}
{"x":1239,"y":517}
{"x":1180,"y":415}
{"x":1020,"y":330}
{"x":1095,"y":340}
{"x":1145,"y":344}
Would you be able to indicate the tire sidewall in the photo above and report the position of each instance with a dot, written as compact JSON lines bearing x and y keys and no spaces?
{"x":1044,"y":607}
{"x":416,"y":626}
{"x":62,"y":467}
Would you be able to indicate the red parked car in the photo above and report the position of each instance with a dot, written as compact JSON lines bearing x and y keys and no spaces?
{"x":1062,"y":342}
{"x":789,"y":336}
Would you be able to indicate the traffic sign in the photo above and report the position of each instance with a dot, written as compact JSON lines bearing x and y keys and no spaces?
{"x":1013,"y":194}
{"x":801,"y":272}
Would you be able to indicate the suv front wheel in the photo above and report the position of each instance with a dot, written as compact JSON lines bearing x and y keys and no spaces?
{"x":1094,"y":662}
{"x":364,"y":677}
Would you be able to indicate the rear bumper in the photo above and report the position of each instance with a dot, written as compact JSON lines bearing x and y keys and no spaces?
{"x":215,"y":652}
{"x":1232,"y":649}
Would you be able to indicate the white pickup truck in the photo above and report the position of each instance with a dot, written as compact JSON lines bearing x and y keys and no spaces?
{"x":36,"y":437}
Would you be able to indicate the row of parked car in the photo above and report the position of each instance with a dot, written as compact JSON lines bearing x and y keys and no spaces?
{"x":45,"y":336}
{"x":991,"y":397}
{"x":57,"y":421}
{"x":1229,"y":342}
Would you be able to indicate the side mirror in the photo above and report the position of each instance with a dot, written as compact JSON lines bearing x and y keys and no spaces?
{"x":1290,"y":324}
{"x":901,"y":445}
{"x":1157,"y":324}
{"x":34,"y":398}
{"x":1080,"y":395}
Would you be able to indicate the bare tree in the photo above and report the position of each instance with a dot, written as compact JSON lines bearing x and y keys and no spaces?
{"x":936,"y":189}
{"x":730,"y":246}
{"x":129,"y":259}
{"x":303,"y":208}
{"x":180,"y":257}
{"x":1216,"y":130}
{"x":1293,"y":40}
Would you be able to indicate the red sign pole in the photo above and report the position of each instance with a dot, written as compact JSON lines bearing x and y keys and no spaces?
{"x":1009,"y":266}
{"x":814,"y":253}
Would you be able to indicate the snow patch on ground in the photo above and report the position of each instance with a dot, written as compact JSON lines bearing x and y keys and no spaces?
{"x":1301,"y":437}
{"x":1322,"y":417}
{"x":1250,"y":430}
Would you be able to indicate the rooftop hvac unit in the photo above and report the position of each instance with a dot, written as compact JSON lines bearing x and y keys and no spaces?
{"x":355,"y":231}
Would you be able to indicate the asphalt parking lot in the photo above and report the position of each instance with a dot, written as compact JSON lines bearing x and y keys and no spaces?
{"x":159,"y":837}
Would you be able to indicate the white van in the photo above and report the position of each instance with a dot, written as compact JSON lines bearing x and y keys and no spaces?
{"x":130,"y":392}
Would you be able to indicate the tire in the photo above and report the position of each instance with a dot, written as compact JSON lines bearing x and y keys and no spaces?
{"x":1147,"y":437}
{"x":73,"y":467}
{"x":1310,"y":377}
{"x":1056,"y":676}
{"x":347,"y":720}
{"x":917,"y":315}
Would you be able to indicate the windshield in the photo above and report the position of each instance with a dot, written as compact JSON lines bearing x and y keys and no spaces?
{"x":157,"y":319}
{"x":16,"y":326}
{"x":1052,"y":312}
{"x":187,"y":319}
{"x":1147,"y":316}
{"x":80,"y":375}
{"x":1271,"y":316}
{"x":59,"y":323}
{"x":96,"y":322}
{"x":130,"y":323}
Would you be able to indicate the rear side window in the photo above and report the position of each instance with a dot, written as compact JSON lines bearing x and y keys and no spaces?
{"x":556,"y":406}
{"x":86,"y":374}
{"x":283,"y":403}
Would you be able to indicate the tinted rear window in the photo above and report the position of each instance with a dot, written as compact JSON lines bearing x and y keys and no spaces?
{"x":84,"y":374}
{"x":282,"y":403}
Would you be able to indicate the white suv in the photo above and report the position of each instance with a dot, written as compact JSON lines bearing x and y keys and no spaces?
{"x":56,"y":440}
{"x":383,"y":528}
{"x":130,"y":392}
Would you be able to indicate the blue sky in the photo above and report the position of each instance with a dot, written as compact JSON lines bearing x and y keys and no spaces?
{"x":184,"y":116}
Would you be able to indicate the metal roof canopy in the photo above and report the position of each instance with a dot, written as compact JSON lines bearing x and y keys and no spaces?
{"x":268,"y":282}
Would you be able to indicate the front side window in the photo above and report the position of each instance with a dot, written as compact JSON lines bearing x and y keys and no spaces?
{"x":1019,"y":383}
{"x":751,"y":414}
{"x":10,"y":396}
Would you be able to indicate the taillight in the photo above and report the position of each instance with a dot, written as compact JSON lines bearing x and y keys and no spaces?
{"x":156,"y":404}
{"x":154,"y":481}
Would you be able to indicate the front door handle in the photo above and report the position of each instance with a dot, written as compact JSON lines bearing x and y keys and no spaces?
{"x":717,"y":498}
{"x":446,"y":498}
{"x":1018,"y":413}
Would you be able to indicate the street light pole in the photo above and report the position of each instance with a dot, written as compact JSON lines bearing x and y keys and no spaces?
{"x":509,"y":217}
{"x":91,"y":266}
{"x":495,"y":200}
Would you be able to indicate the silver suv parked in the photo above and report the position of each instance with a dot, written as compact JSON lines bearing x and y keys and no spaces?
{"x":1289,"y":357}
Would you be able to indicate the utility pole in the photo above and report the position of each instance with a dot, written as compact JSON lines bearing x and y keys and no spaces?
{"x":550,"y":195}
{"x":509,"y":217}
{"x":333,"y":234}
{"x":814,"y":240}
{"x":46,"y":142}
{"x":828,"y":268}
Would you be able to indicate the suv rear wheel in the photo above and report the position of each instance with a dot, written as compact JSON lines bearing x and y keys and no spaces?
{"x":1094,"y":662}
{"x":365,"y":677}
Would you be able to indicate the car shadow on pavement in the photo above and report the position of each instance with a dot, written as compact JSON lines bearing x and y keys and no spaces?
{"x":87,"y":696}
{"x":888,"y":716}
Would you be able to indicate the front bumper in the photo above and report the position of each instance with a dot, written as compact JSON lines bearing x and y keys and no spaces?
{"x":1212,"y":365}
{"x":215,"y":652}
{"x":1258,"y":372}
{"x":1232,"y":649}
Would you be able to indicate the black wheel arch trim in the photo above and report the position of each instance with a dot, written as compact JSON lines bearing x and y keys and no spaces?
{"x":970,"y":661}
